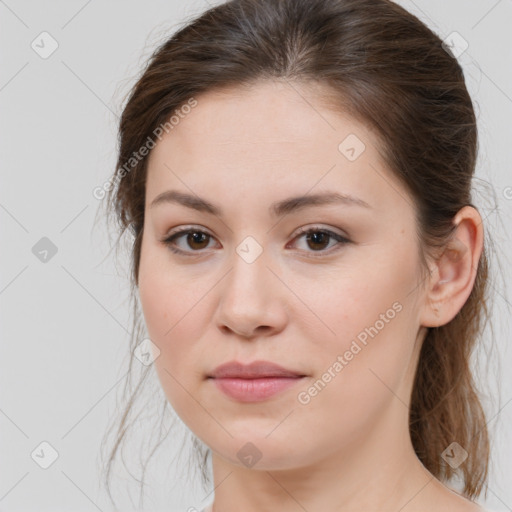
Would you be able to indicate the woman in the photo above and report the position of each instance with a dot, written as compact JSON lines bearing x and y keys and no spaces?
{"x":296,"y":175}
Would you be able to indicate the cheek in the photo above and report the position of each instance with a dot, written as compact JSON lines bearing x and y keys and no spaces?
{"x":171,"y":306}
{"x":163,"y":292}
{"x":354,"y":302}
{"x":172,"y":312}
{"x":366,"y":334}
{"x":177,"y":308}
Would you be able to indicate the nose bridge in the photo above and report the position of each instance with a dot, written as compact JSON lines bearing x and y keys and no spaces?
{"x":248,"y":296}
{"x":249,"y":269}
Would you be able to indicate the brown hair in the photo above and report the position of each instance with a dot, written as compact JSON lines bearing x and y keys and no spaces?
{"x":387,"y":69}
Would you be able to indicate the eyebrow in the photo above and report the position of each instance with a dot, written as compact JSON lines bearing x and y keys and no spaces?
{"x":277,"y":209}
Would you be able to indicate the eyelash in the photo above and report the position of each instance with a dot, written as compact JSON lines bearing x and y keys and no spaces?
{"x":169,"y":241}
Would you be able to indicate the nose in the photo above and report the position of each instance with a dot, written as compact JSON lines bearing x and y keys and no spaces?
{"x":252,"y":299}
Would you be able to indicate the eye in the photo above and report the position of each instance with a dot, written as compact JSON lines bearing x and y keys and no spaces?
{"x":316,"y":238}
{"x":319,"y":238}
{"x":195,"y":238}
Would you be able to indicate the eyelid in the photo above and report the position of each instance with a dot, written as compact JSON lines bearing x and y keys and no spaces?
{"x":187,"y":227}
{"x":318,"y":227}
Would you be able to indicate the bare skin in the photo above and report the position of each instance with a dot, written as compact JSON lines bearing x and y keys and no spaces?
{"x":298,"y":304}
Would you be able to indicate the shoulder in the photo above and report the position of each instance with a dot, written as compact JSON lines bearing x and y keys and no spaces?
{"x":464,"y":505}
{"x":443,"y":498}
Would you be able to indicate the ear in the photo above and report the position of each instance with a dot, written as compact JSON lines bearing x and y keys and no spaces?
{"x":453,"y":273}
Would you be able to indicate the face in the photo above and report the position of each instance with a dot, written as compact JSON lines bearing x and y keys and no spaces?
{"x":339,"y":305}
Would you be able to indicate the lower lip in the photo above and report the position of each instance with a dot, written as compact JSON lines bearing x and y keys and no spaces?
{"x":255,"y":390}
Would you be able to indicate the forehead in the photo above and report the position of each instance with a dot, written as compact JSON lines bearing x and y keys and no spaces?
{"x":274,"y":115}
{"x":271,"y":137}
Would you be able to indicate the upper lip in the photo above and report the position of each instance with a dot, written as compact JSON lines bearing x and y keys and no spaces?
{"x":254,"y":370}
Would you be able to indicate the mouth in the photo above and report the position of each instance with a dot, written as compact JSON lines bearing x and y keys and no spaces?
{"x":254,"y":382}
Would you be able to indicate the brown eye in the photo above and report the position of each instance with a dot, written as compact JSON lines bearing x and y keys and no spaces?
{"x":197,"y":237}
{"x":317,"y":240}
{"x":195,"y":241}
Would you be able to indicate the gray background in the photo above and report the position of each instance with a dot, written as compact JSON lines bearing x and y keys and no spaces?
{"x":64,"y":322}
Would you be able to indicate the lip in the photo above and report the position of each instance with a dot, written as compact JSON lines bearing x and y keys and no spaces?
{"x":254,"y":382}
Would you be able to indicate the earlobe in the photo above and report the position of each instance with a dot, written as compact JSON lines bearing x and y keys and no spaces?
{"x":452,"y":280}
